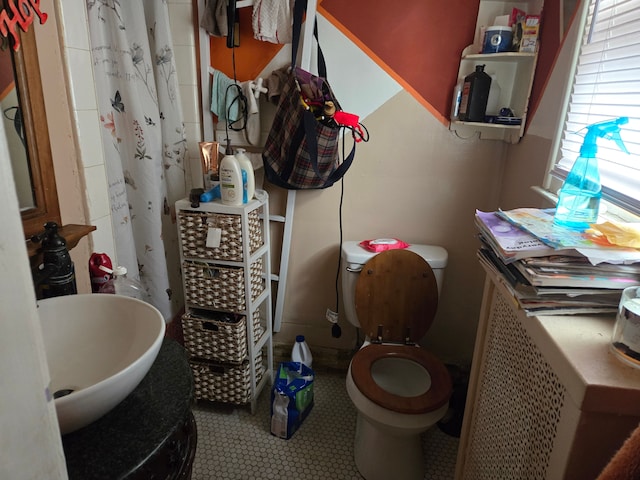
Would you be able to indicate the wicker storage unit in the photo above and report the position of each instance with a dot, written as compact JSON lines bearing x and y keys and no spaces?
{"x":219,"y":336}
{"x":226,"y":272}
{"x":220,"y":286}
{"x":194,"y":228}
{"x":224,"y":382}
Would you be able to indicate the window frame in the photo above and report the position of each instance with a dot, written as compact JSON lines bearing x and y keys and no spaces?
{"x":553,"y":182}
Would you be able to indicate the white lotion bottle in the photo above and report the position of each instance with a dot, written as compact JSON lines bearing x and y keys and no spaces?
{"x":247,"y":166}
{"x":230,"y":179}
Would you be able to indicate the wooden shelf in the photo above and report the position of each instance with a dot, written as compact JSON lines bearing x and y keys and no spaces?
{"x":71,"y":233}
{"x":500,"y":56}
{"x":488,"y":125}
{"x":512,"y":72}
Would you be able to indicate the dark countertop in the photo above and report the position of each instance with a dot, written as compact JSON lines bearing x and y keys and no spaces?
{"x":125,"y":438}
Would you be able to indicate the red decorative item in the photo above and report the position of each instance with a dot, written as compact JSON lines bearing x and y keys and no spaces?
{"x":100,"y":268}
{"x":19,"y":15}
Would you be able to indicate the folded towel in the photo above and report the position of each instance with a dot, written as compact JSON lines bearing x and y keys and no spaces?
{"x":224,"y":97}
{"x":214,"y":18}
{"x":625,"y":464}
{"x":272,"y":20}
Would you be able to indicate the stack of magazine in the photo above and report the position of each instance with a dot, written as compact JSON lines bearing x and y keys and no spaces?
{"x":557,"y":276}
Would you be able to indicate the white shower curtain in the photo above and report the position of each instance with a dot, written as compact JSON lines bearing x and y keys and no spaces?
{"x":143,"y":138}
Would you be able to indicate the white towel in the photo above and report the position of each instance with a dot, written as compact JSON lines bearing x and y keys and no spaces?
{"x":272,"y":20}
{"x":252,"y":129}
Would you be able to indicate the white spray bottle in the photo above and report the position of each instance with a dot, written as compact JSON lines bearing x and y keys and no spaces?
{"x":231,"y":190}
{"x":247,"y":166}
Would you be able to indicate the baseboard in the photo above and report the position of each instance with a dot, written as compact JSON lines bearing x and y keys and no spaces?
{"x":323,"y":358}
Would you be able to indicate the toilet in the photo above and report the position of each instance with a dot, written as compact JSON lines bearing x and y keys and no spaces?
{"x":398,"y":388}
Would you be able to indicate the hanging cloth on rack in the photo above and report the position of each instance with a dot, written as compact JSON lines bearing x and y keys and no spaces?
{"x":272,"y":20}
{"x":224,"y":97}
{"x":214,"y":18}
{"x":275,"y":82}
{"x":252,"y":129}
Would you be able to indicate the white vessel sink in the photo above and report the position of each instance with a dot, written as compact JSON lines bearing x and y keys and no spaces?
{"x":98,"y":347}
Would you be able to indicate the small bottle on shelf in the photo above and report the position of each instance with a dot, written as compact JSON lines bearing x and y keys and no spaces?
{"x":475,"y":95}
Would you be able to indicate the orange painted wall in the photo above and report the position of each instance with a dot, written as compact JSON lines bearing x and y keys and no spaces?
{"x":418,"y":42}
{"x":251,"y":56}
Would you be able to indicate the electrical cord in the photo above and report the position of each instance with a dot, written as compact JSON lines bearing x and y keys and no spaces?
{"x":360,"y":134}
{"x":238,"y":98}
{"x":336,"y":331}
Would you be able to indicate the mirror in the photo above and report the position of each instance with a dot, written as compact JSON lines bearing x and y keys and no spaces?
{"x":28,"y":135}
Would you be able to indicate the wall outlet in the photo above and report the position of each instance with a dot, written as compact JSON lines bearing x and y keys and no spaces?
{"x":331,"y":316}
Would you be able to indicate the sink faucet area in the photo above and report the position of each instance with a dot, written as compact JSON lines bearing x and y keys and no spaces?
{"x":98,"y":348}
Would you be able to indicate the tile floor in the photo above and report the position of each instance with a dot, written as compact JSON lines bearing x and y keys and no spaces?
{"x":235,"y":445}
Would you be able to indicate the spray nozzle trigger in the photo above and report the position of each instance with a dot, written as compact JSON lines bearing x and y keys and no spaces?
{"x":609,"y":129}
{"x":615,"y":136}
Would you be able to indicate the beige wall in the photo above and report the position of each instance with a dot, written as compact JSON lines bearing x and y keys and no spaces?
{"x":416,"y":181}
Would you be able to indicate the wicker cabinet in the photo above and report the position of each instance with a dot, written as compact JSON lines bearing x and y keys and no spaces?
{"x":227,"y":325}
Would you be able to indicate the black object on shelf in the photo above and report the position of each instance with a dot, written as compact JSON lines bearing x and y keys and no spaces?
{"x":475,"y":95}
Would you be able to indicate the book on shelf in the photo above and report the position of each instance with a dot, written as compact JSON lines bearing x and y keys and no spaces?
{"x":544,"y":279}
{"x":539,"y":223}
{"x":510,"y":242}
{"x":588,"y":278}
{"x":508,"y":273}
{"x":576,"y":310}
{"x":579,"y":265}
{"x":536,"y":300}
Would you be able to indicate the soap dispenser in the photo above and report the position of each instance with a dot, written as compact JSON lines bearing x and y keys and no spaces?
{"x":56,"y":275}
{"x":231,"y":185}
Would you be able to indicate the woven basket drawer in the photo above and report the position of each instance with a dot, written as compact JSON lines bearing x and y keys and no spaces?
{"x":194,"y":227}
{"x":218,"y":336}
{"x":224,"y":383}
{"x":220,"y":287}
{"x":215,"y":336}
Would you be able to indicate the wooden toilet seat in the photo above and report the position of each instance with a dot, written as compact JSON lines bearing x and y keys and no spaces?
{"x":429,"y":401}
{"x":396,"y":301}
{"x":396,"y":297}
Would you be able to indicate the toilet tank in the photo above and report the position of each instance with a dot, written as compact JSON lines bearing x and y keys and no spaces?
{"x":354,"y":258}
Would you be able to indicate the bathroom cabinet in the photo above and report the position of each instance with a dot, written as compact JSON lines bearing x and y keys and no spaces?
{"x":151,"y":434}
{"x":547,"y":399}
{"x":227,"y":325}
{"x":513,"y":72}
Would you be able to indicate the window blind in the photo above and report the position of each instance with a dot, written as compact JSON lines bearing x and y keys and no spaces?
{"x":607,"y":85}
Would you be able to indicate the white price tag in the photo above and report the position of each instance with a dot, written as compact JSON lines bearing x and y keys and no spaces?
{"x":213,"y":237}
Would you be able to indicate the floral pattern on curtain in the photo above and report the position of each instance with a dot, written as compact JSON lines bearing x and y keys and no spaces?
{"x":143,"y":139}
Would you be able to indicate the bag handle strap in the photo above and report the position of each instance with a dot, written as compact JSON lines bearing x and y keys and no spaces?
{"x":299,"y":8}
{"x":312,"y":146}
{"x":309,"y":120}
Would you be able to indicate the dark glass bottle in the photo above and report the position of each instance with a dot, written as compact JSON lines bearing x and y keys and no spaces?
{"x":56,"y":275}
{"x":475,"y":95}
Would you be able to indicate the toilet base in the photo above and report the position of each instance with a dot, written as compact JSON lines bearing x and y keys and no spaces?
{"x":381,"y":456}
